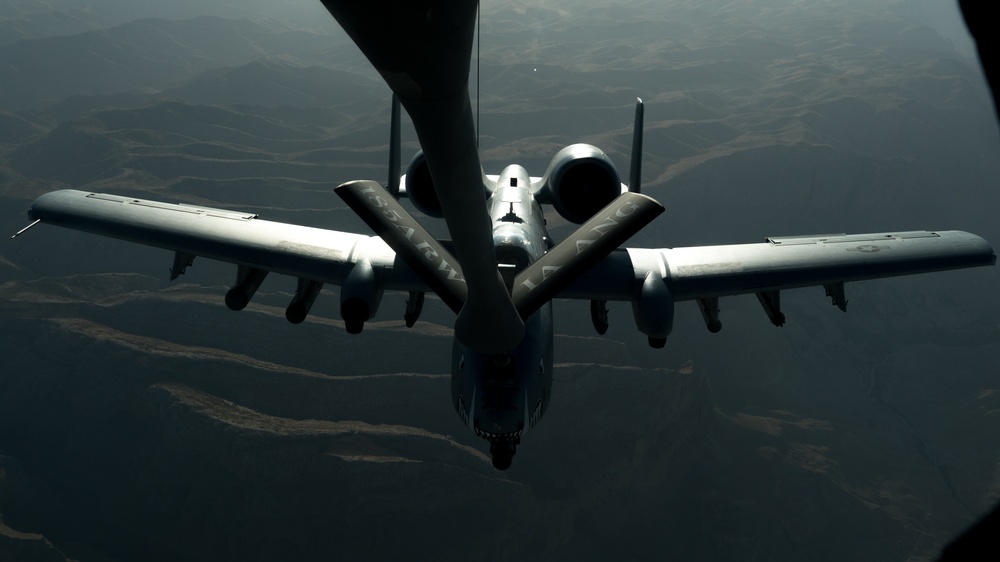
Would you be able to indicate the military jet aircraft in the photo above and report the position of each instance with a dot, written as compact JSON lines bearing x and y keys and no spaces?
{"x":501,"y":269}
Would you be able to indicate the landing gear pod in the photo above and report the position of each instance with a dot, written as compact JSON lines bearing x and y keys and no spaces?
{"x":653,"y":308}
{"x":359,"y":296}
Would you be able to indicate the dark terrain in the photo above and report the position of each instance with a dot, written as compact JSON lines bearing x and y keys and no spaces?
{"x":142,"y":420}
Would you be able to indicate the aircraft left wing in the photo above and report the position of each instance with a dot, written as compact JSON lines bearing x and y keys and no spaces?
{"x":363,"y":265}
{"x":653,"y":279}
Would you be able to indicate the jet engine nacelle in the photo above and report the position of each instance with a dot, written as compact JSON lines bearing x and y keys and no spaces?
{"x":580,"y":181}
{"x":420,"y":187}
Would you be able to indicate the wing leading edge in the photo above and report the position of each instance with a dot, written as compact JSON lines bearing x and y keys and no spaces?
{"x":362,"y":264}
{"x":649,"y":277}
{"x":781,"y":263}
{"x":653,"y":279}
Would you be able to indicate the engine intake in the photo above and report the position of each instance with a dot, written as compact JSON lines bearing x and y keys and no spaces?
{"x":420,"y":187}
{"x":580,"y":181}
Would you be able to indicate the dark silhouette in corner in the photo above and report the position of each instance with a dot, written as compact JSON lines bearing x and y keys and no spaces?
{"x":982,"y":540}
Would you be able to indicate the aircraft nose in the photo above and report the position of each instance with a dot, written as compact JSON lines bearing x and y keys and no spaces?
{"x":500,"y":414}
{"x":504,"y":436}
{"x":496,"y":428}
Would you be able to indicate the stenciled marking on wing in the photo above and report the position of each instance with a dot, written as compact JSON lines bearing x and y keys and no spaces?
{"x":868,"y":248}
{"x":423,"y":246}
{"x":621,"y":212}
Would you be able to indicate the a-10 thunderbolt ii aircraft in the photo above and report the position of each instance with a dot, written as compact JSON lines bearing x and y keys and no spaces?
{"x":501,"y":269}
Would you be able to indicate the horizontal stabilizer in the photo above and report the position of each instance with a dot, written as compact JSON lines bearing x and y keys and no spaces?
{"x":606,"y":230}
{"x":394,"y":149}
{"x":635,"y":170}
{"x":421,"y":251}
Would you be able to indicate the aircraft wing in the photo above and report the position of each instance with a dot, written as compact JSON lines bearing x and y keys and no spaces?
{"x":315,"y":256}
{"x":653,"y":279}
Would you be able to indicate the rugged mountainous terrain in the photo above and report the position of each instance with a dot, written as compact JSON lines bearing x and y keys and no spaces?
{"x":141,"y":419}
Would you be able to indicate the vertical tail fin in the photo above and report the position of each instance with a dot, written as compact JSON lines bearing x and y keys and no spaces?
{"x":394,"y":148}
{"x":635,"y":171}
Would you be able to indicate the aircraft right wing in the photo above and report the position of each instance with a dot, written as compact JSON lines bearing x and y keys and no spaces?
{"x":653,"y":279}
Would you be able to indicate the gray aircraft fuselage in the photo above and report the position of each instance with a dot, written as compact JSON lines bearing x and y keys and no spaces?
{"x":501,"y":396}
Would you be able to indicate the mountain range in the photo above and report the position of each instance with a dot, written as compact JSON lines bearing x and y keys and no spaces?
{"x":141,"y":419}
